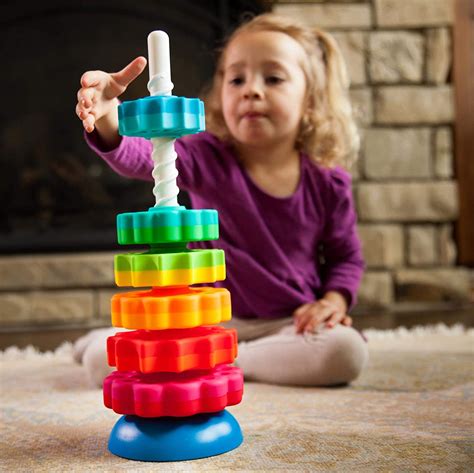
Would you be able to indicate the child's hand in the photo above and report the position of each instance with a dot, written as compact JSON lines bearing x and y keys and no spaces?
{"x":310,"y":315}
{"x":98,"y":95}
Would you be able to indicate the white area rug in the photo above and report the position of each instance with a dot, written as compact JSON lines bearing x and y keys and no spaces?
{"x":411,"y":410}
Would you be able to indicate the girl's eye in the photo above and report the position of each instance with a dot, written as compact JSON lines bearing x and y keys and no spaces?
{"x":236,"y":81}
{"x":273,"y":80}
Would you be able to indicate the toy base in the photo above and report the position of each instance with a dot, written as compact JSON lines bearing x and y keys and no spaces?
{"x":175,"y":438}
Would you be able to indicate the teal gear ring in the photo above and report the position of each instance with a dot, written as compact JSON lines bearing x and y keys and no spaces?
{"x":167,"y":225}
{"x":161,"y":116}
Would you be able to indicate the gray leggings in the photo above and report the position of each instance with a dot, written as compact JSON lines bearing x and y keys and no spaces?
{"x":270,"y":351}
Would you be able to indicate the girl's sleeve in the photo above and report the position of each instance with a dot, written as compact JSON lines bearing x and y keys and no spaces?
{"x":343,"y":260}
{"x":132,"y":158}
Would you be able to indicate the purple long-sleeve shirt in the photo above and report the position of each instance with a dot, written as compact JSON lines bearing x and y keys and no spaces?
{"x":271,"y":244}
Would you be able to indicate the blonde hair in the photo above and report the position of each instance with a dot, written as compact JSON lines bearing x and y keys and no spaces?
{"x":328,"y":133}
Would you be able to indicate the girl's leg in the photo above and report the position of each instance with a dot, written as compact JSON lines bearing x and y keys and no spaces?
{"x":326,"y":358}
{"x":91,"y":351}
{"x":332,"y":356}
{"x":251,"y":329}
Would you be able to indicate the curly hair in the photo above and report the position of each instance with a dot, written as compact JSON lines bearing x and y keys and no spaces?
{"x":328,"y":133}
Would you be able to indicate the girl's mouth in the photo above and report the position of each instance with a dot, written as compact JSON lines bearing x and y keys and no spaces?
{"x":253,"y":115}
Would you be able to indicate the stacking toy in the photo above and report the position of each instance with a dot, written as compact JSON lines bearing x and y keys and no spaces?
{"x":174,"y":375}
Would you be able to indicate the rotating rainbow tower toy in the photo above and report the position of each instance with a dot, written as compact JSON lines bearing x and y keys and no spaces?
{"x":173,"y":376}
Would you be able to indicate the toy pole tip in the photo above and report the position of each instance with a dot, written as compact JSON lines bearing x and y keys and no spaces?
{"x":159,"y":59}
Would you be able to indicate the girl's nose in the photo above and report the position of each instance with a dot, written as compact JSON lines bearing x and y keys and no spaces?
{"x":253,"y":90}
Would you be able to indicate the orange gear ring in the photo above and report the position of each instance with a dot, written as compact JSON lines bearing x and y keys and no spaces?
{"x":160,"y":308}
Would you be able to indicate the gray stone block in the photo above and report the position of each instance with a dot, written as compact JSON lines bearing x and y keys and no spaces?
{"x":46,"y":308}
{"x":376,"y":289}
{"x":408,"y":202}
{"x":413,"y":13}
{"x":383,"y":245}
{"x":362,"y":106}
{"x":413,"y":105}
{"x":396,"y":56}
{"x":328,"y":16}
{"x":391,"y":153}
{"x":438,"y":55}
{"x":422,"y":247}
{"x":434,"y":284}
{"x":443,"y":155}
{"x":353,"y":49}
{"x":56,"y":271}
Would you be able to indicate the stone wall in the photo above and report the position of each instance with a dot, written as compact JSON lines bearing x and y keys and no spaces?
{"x":70,"y":290}
{"x":399,"y":57}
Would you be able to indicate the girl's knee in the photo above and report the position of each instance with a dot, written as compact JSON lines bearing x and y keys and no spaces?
{"x":347,"y":354}
{"x":95,"y":362}
{"x":91,"y":351}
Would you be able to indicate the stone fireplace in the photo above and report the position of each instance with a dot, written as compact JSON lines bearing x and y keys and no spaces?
{"x":59,"y":200}
{"x":55,"y":193}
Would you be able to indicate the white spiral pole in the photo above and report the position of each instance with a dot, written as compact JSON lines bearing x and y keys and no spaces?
{"x":163,"y":155}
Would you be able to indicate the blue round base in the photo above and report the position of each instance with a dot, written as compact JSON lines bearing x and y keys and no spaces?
{"x":175,"y":438}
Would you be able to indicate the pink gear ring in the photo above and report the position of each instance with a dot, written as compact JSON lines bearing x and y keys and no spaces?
{"x":171,"y":394}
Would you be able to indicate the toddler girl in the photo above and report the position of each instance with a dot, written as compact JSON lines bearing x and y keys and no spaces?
{"x":279,"y":124}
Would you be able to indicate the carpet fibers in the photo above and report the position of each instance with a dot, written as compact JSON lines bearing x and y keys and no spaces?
{"x":411,"y":410}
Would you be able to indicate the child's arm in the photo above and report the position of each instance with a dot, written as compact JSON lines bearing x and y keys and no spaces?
{"x":131,"y":156}
{"x":97,"y":100}
{"x":344,"y":263}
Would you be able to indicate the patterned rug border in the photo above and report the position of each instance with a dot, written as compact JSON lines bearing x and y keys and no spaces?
{"x":420,"y":331}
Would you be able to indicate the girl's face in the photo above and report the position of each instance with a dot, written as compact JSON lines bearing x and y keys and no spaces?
{"x":264,"y":87}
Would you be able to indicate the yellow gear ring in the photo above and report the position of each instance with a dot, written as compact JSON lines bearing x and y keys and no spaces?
{"x":169,"y":269}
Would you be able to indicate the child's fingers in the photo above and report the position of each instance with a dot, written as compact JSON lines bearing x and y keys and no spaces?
{"x":347,"y":321}
{"x":310,"y":315}
{"x":302,"y":321}
{"x":316,"y":315}
{"x":130,"y":72}
{"x":336,"y":318}
{"x":85,"y":103}
{"x":300,"y":316}
{"x":87,"y":96}
{"x":88,"y":123}
{"x":81,"y":112}
{"x":92,"y":78}
{"x":300,"y":310}
{"x":321,"y":314}
{"x":81,"y":108}
{"x":314,"y":322}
